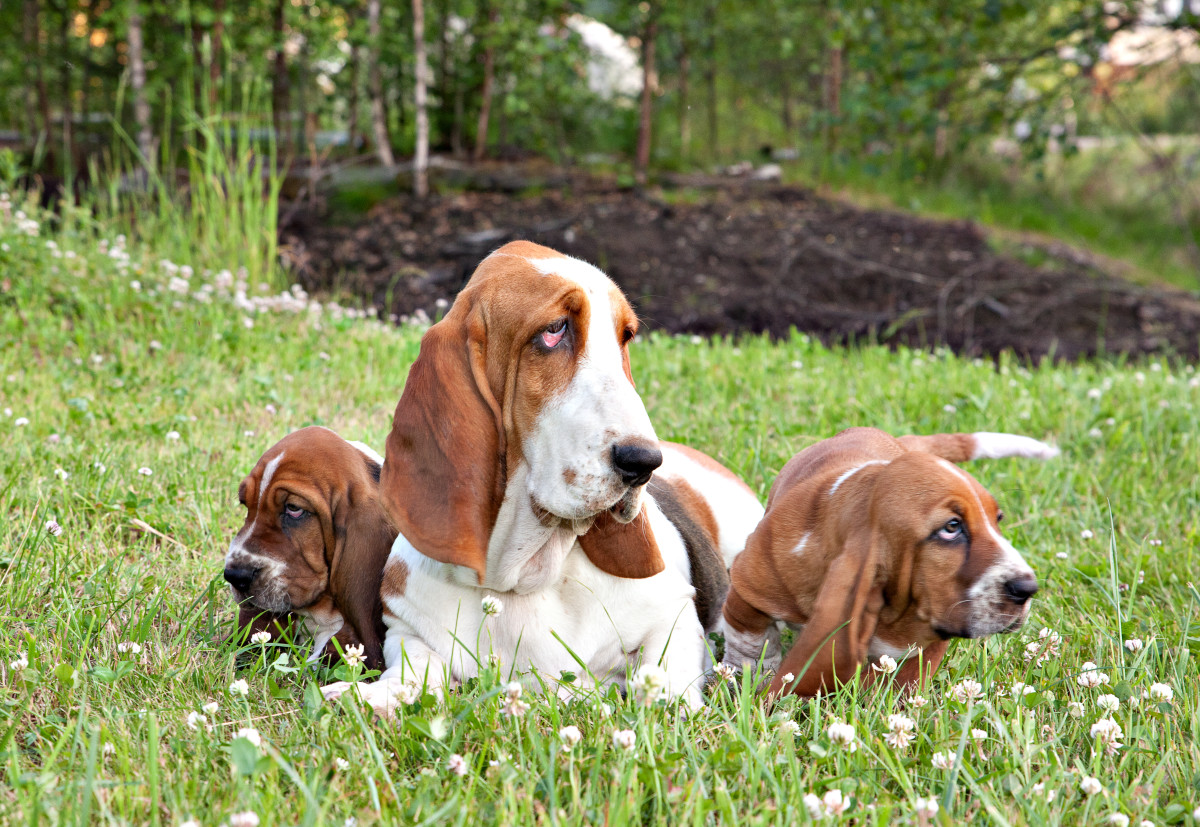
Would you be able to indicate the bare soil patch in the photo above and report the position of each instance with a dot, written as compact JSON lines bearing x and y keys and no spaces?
{"x":752,"y":258}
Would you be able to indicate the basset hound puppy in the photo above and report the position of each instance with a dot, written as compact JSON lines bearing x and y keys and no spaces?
{"x":314,"y":543}
{"x":877,"y":546}
{"x":519,"y":468}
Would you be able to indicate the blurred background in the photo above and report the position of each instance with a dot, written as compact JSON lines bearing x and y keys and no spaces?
{"x":982,"y":174}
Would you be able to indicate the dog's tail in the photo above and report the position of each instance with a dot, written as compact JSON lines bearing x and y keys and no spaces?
{"x":980,"y":445}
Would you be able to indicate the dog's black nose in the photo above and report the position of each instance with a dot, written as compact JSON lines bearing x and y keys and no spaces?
{"x":240,"y":578}
{"x":1021,"y":589}
{"x":636,"y":461}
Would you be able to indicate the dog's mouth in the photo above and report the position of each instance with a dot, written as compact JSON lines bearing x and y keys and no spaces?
{"x":626,"y":509}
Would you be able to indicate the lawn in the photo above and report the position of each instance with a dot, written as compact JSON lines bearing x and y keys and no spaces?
{"x":137,"y":391}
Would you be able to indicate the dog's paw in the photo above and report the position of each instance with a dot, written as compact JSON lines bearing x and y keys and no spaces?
{"x":333,"y":691}
{"x":384,"y":696}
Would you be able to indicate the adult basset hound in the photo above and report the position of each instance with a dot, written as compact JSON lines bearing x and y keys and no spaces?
{"x":877,"y":546}
{"x":313,"y":544}
{"x":518,"y":467}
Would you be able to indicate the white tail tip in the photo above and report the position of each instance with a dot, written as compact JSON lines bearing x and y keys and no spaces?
{"x":990,"y":445}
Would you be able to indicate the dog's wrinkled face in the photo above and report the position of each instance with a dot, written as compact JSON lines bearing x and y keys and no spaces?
{"x":280,"y":558}
{"x":965,"y":580}
{"x":580,"y":424}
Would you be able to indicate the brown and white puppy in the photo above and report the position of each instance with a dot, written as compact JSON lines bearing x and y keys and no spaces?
{"x":877,"y":546}
{"x":517,"y":470}
{"x":314,"y":543}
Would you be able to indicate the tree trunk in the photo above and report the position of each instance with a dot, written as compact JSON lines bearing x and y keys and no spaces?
{"x":214,"y":66}
{"x":489,"y":81}
{"x":68,"y":107}
{"x":39,"y":100}
{"x":649,"y":82}
{"x":685,"y":127}
{"x":352,"y":127}
{"x":421,"y":156}
{"x":710,"y":77}
{"x":137,"y":86}
{"x":280,"y":82}
{"x":383,"y":144}
{"x":833,"y":96}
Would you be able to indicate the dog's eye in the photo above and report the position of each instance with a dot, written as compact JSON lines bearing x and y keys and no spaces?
{"x":952,"y":530}
{"x":552,"y":335}
{"x":999,"y":516}
{"x":627,"y":336}
{"x":294,"y":512}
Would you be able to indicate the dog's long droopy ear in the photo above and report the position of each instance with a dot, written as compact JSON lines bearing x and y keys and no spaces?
{"x":623,"y":549}
{"x":443,"y":477}
{"x":843,"y":620}
{"x":363,"y":539}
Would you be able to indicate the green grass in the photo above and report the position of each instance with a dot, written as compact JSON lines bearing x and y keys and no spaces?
{"x":107,"y":374}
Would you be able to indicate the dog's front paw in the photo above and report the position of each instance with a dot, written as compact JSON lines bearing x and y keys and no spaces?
{"x":333,"y":691}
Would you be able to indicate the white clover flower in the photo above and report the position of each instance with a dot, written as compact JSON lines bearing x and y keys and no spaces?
{"x":261,"y":637}
{"x":61,"y":474}
{"x":887,"y":665}
{"x":21,"y":421}
{"x":250,"y":734}
{"x":210,"y":708}
{"x":1134,"y":645}
{"x":918,"y":702}
{"x":1094,"y":393}
{"x":966,"y":691}
{"x":1161,"y":693}
{"x":491,"y":604}
{"x":787,"y":679}
{"x":239,"y":687}
{"x":835,"y":803}
{"x":1075,"y":709}
{"x":155,"y":344}
{"x":129,"y":647}
{"x":1109,"y":703}
{"x":249,"y":818}
{"x":942,"y":760}
{"x":901,"y":731}
{"x":812,"y":803}
{"x":1048,"y":695}
{"x":22,"y":662}
{"x":790,"y":727}
{"x":457,"y":765}
{"x":570,"y":736}
{"x":1196,"y":812}
{"x":1145,"y":822}
{"x":191,"y":822}
{"x":649,"y":683}
{"x":172,"y":436}
{"x":407,"y":693}
{"x":145,"y":472}
{"x":1090,"y":786}
{"x":1108,"y":732}
{"x":1086,"y":534}
{"x":195,"y":720}
{"x":1095,"y":433}
{"x":843,"y":735}
{"x":109,"y":749}
{"x":53,"y":528}
{"x":341,"y":764}
{"x":512,"y":705}
{"x":624,"y":739}
{"x":1020,"y":689}
{"x":1061,"y":555}
{"x":728,"y":673}
{"x":979,"y":735}
{"x":1118,"y":819}
{"x":353,"y":655}
{"x":99,"y":466}
{"x":1091,"y":677}
{"x":926,"y":808}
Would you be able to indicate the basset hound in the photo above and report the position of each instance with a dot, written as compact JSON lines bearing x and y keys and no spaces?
{"x":314,"y":543}
{"x":876,"y":546}
{"x":519,"y":468}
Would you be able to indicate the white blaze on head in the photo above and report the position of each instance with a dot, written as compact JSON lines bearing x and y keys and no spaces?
{"x":987,"y":594}
{"x":570,"y":452}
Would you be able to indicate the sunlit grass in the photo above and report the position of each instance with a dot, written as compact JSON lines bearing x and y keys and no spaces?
{"x":102,"y":374}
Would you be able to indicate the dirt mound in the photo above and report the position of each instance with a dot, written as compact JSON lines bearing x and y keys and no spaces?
{"x":756,"y":259}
